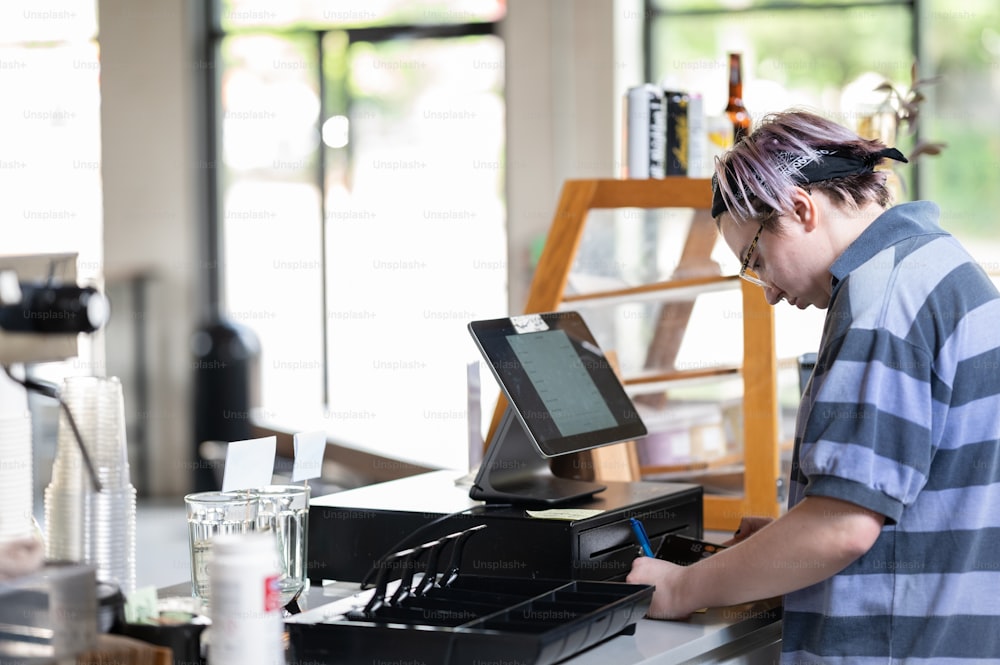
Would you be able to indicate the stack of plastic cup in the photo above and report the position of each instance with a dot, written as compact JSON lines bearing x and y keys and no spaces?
{"x":83,"y":524}
{"x":16,"y":503}
{"x":66,"y":493}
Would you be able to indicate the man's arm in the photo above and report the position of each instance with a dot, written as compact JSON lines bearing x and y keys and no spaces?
{"x":813,"y":541}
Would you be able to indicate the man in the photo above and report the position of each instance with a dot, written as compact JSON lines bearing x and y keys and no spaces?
{"x":890,"y":549}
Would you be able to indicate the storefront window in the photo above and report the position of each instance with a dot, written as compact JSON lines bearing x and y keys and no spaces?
{"x":363,"y":212}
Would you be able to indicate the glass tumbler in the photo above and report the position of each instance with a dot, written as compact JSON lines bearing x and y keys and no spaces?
{"x":211,"y":514}
{"x":284,"y":511}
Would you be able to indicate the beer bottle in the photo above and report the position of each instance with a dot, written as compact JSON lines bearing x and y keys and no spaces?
{"x":735,"y":109}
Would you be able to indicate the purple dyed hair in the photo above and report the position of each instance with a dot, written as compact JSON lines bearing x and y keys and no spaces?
{"x":756,"y":177}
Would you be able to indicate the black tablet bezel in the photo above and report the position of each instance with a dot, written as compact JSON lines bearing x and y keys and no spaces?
{"x":491,"y":338}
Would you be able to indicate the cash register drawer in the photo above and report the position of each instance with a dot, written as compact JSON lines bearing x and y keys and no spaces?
{"x":516,"y":620}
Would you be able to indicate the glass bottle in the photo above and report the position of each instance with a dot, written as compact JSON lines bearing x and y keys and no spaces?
{"x":735,"y":110}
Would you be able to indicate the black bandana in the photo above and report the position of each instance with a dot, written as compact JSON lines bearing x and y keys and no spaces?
{"x":829,"y":165}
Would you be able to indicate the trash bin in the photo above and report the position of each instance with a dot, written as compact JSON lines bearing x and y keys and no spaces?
{"x":226,"y":389}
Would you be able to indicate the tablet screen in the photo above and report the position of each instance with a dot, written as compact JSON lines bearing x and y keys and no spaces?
{"x":558,"y":381}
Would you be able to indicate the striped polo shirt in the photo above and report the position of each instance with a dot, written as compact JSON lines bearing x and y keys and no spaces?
{"x":902,"y":417}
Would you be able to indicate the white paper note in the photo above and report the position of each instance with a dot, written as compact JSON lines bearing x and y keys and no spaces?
{"x":249,"y":464}
{"x":309,"y":448}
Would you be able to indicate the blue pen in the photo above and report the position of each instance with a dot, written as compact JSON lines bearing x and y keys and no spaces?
{"x":640,"y":534}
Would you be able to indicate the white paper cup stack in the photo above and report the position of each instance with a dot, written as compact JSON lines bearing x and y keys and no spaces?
{"x":82,"y":524}
{"x":16,"y":503}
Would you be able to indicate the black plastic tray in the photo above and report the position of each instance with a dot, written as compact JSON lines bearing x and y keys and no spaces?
{"x":476,"y":618}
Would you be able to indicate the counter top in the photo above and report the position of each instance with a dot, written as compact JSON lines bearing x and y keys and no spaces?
{"x":707,"y":637}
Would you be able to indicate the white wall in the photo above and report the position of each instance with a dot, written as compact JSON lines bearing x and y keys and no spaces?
{"x":149,"y":80}
{"x":568,"y":64}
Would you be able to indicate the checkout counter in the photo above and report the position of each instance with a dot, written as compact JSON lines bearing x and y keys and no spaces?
{"x":356,"y":523}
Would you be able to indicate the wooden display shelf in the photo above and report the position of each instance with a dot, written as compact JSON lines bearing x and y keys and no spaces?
{"x":650,"y":380}
{"x":761,"y":462}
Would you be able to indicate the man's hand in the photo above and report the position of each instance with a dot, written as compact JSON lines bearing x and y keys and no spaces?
{"x":667,"y":578}
{"x":816,"y":539}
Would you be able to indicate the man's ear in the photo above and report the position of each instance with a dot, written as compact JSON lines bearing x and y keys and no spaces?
{"x":804,"y":209}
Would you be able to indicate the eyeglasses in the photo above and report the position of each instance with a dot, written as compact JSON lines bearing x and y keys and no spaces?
{"x":745,"y":272}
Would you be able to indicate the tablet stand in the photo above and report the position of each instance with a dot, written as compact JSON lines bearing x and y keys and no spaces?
{"x":514,"y":471}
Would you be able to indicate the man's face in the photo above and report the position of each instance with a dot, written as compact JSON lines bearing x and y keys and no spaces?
{"x":787,"y":257}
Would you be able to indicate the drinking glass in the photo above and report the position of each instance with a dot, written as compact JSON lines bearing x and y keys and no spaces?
{"x":211,"y":514}
{"x":284,"y":511}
